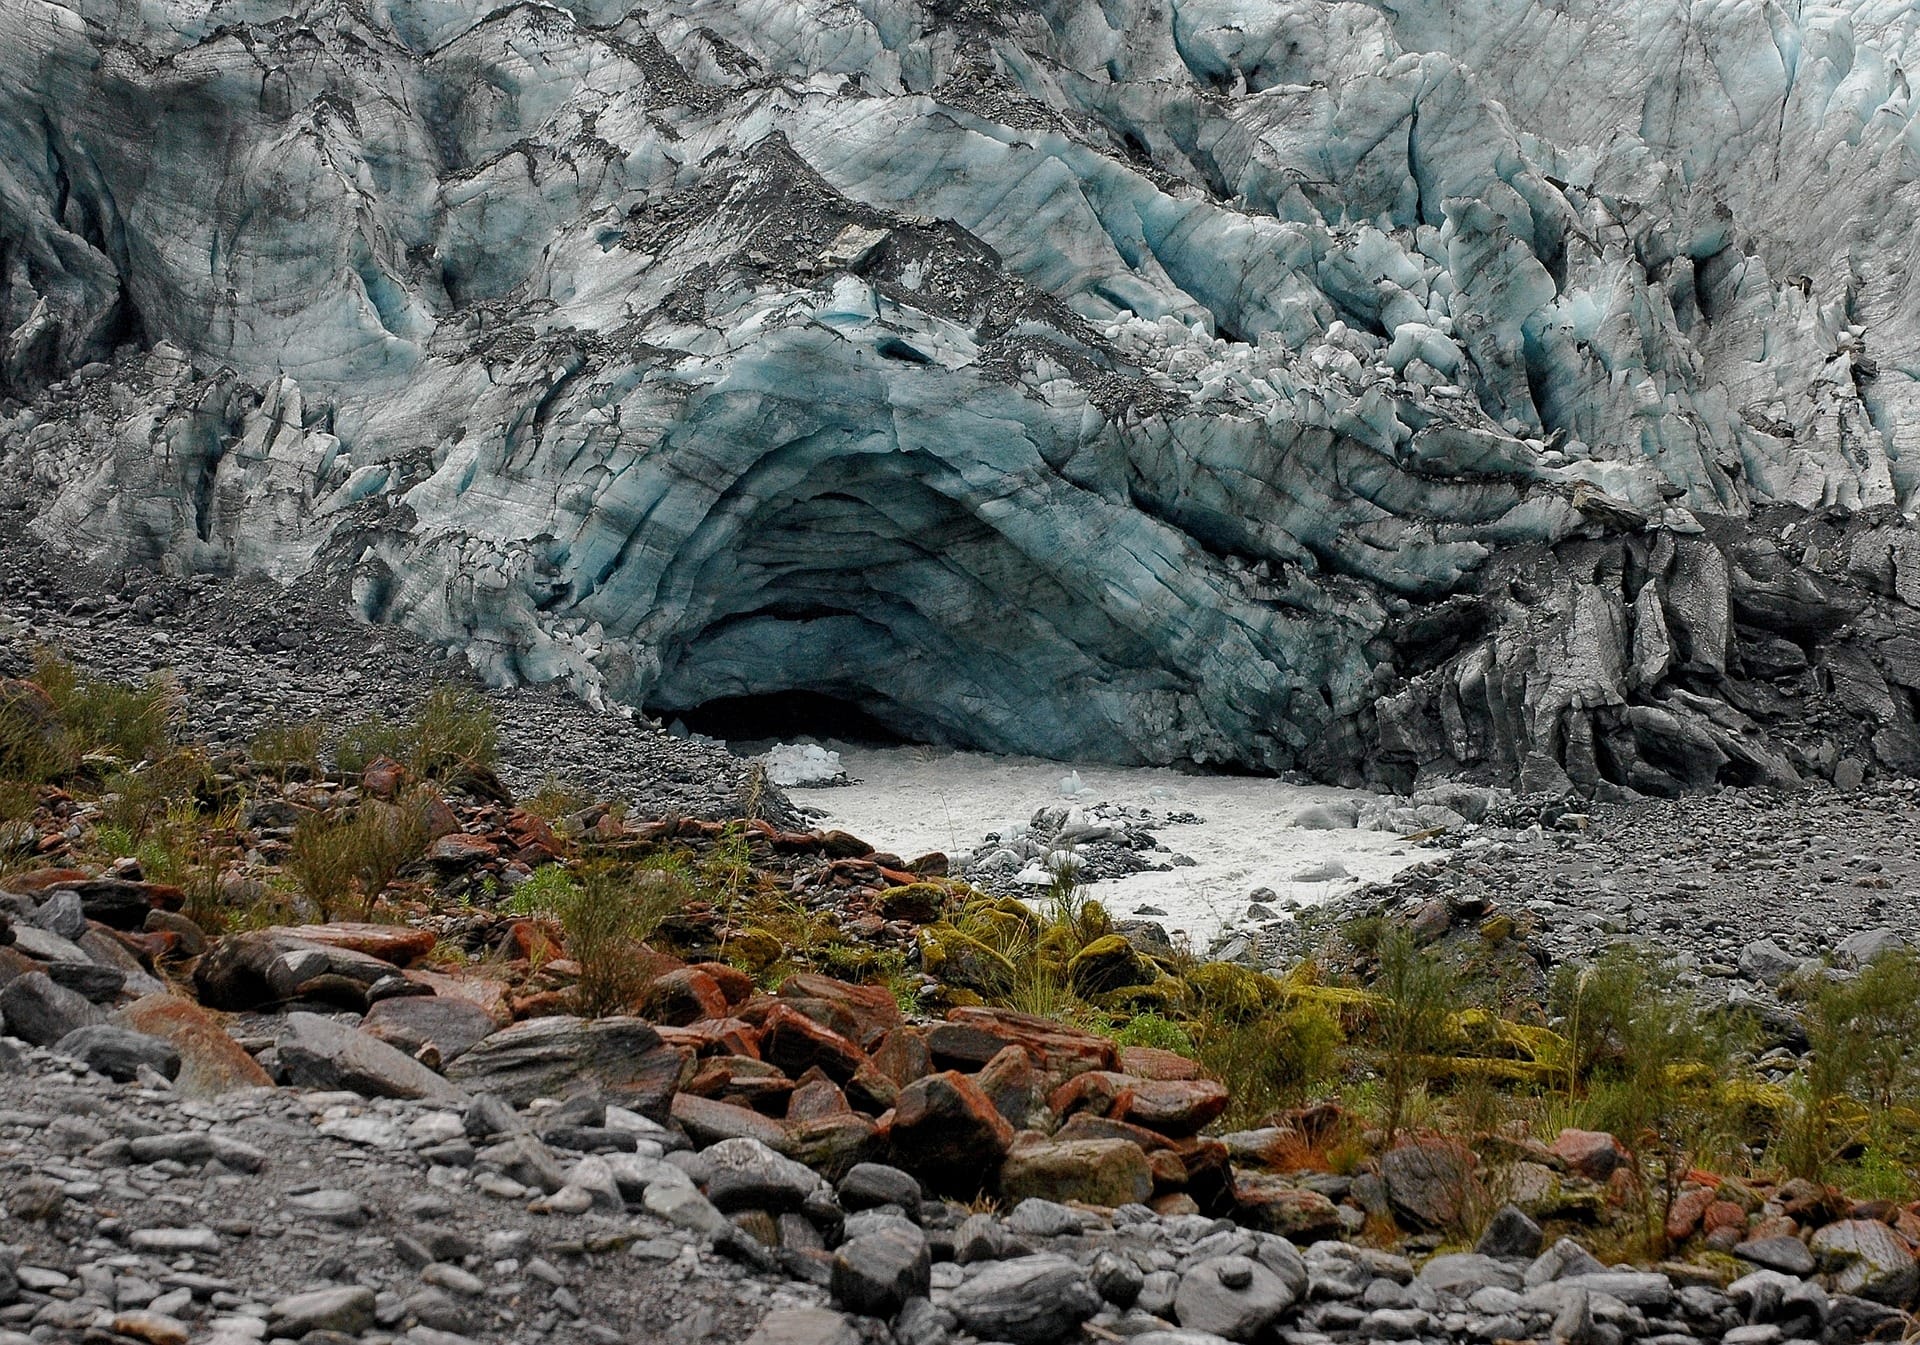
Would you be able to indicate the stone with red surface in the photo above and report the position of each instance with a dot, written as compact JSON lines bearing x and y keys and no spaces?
{"x":1592,"y":1154}
{"x":681,"y":997}
{"x":872,"y":1007}
{"x":797,"y":1043}
{"x":947,"y":1133}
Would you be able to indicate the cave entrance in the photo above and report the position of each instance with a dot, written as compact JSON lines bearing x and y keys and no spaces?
{"x":786,"y":716}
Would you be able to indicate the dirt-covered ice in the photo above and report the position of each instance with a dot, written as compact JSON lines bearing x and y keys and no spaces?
{"x":912,"y":800}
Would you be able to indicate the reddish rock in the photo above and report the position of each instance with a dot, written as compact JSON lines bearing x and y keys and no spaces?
{"x":1097,"y":1091}
{"x":735,"y":984}
{"x":474,"y":987}
{"x":872,"y":1007}
{"x":1430,"y":1183}
{"x":36,"y":881}
{"x":842,"y":845}
{"x":833,"y":1016}
{"x":1269,"y":1203}
{"x":1175,"y":1205}
{"x":816,"y":1097}
{"x":383,"y":778}
{"x":1688,"y":1209}
{"x":1171,"y":1106}
{"x":1009,"y":1083}
{"x":797,"y":1043}
{"x":211,"y":1061}
{"x":532,"y":838}
{"x":946,"y":1132}
{"x":682,"y":997}
{"x":398,"y":944}
{"x":715,"y":1036}
{"x":459,"y":850}
{"x":743,"y":1081}
{"x":532,"y":940}
{"x":1059,"y":1052}
{"x":871,"y":1091}
{"x":1724,"y":1214}
{"x":903,"y":1056}
{"x":1150,"y":1062}
{"x":709,"y":1122}
{"x":1169,"y":1173}
{"x":1592,"y":1154}
{"x":14,"y":964}
{"x":1777,"y":1226}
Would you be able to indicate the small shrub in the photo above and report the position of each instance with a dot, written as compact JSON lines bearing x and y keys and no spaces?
{"x":451,"y":729}
{"x":131,"y":723}
{"x":364,"y":848}
{"x":289,"y":749}
{"x":1271,"y":1062}
{"x":543,"y":894}
{"x":1417,"y":995}
{"x":606,"y":918}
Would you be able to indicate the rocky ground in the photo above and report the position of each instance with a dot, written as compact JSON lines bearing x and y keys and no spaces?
{"x":250,"y":653}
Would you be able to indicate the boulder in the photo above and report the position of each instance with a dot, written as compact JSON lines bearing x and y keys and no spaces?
{"x":1786,"y":1254}
{"x":397,"y":945}
{"x":903,"y":1056}
{"x":319,"y":1053}
{"x":871,"y":1007}
{"x":682,"y":996}
{"x":707,"y":1122}
{"x":796,"y":1044}
{"x":1464,"y":1274}
{"x":409,"y":1022}
{"x":1592,"y":1154}
{"x":1510,"y":1234}
{"x":805,"y":1326}
{"x":747,"y":1174}
{"x":1107,"y":964}
{"x":211,"y":1061}
{"x":835,"y":1145}
{"x":348,"y":1311}
{"x":1093,"y":1172}
{"x":1150,"y":1062}
{"x":1866,"y":1258}
{"x":1059,"y":1052}
{"x":947,"y":1133}
{"x":1009,"y":1082}
{"x":37,"y":1010}
{"x":1767,"y":962}
{"x":878,"y":1272}
{"x":868,"y":1185}
{"x":1231,"y":1296}
{"x":119,"y":1052}
{"x":1030,"y":1300}
{"x":624,"y":1058}
{"x":1275,"y":1204}
{"x":1171,"y":1106}
{"x":1429,"y":1183}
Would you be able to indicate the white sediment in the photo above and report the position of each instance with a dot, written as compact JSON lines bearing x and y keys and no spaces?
{"x":911,"y":800}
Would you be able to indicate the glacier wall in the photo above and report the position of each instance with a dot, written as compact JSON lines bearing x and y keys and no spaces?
{"x":1376,"y":389}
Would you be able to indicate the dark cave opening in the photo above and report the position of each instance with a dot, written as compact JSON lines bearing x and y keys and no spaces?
{"x":785,"y":716}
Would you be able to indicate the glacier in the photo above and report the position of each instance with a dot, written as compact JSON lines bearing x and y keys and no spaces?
{"x":1384,"y":391}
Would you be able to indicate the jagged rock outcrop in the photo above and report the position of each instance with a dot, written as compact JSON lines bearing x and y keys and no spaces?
{"x":1279,"y":383}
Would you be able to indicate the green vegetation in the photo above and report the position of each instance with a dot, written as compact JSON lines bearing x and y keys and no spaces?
{"x":606,"y":917}
{"x":451,"y":730}
{"x":360,"y":849}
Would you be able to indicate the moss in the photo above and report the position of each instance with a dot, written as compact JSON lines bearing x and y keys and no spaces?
{"x":1232,"y":992}
{"x":1163,"y":998}
{"x":920,"y":903}
{"x":1107,"y":964}
{"x":960,"y":959}
{"x":754,"y":950}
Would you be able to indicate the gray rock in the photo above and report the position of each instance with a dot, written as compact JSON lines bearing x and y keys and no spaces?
{"x":1767,"y":962}
{"x":60,"y":913}
{"x":527,"y":1161}
{"x":745,"y":1174}
{"x":804,"y":1326}
{"x":1510,"y":1234}
{"x":980,"y":1237}
{"x":331,"y":1205}
{"x":1036,"y":1218}
{"x":1868,"y":946}
{"x":1867,"y":1259}
{"x":1231,"y":1296}
{"x":320,"y":1053}
{"x":39,"y":1011}
{"x":1427,"y":1183}
{"x":921,"y":1323}
{"x":1635,"y":1288}
{"x":1787,"y":1255}
{"x":623,"y":1058}
{"x":1395,"y":1324}
{"x":488,"y":1115}
{"x":347,"y":1310}
{"x":1117,"y":1278}
{"x":1030,"y":1300}
{"x":1566,"y":1257}
{"x":1463,"y":1274}
{"x":685,"y":1208}
{"x":869,"y":1184}
{"x":118,"y":1052}
{"x":877,"y":1273}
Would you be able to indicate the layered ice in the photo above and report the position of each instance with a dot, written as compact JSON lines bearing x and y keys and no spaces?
{"x":1380,"y":390}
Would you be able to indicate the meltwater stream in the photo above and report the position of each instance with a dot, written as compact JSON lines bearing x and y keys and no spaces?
{"x":1242,"y":834}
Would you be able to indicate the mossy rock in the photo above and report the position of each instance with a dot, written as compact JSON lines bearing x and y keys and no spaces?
{"x":997,"y":928}
{"x":1497,"y":929}
{"x":1094,"y":922}
{"x":919,"y":903}
{"x":1107,"y":964}
{"x":1058,"y":943}
{"x":1235,"y":992}
{"x":754,"y":950}
{"x":1166,"y":996}
{"x":960,"y":959}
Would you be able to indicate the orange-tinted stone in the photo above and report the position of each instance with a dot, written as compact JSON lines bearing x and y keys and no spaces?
{"x":211,"y":1061}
